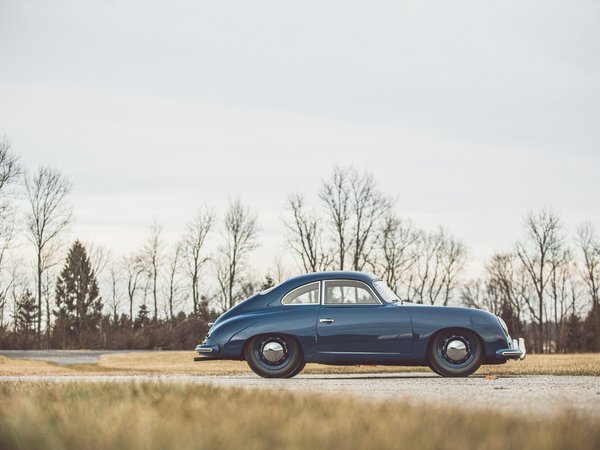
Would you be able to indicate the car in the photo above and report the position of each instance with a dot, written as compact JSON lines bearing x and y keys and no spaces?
{"x":351,"y":318}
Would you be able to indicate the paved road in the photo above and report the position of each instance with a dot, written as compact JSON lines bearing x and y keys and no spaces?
{"x":529,"y":395}
{"x":62,"y":357}
{"x":540,"y":395}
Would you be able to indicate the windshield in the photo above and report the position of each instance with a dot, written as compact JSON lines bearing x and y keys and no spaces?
{"x":384,"y":290}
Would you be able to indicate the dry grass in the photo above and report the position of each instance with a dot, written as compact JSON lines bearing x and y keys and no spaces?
{"x":159,"y":416}
{"x":169,"y":363}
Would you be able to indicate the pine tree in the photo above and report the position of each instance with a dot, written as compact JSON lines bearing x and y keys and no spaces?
{"x":574,"y":335}
{"x":77,"y":297}
{"x":591,"y":329}
{"x":142,"y":318}
{"x":26,"y":313}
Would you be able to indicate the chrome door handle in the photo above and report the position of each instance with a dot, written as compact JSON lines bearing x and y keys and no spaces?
{"x":326,"y":320}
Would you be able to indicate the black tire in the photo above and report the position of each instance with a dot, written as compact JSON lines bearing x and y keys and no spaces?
{"x":299,"y":369}
{"x":274,"y":356}
{"x":455,"y":353}
{"x":433,"y":369}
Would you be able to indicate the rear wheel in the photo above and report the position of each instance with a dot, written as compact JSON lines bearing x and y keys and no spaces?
{"x":455,"y":353}
{"x":274,"y":356}
{"x":297,"y":371}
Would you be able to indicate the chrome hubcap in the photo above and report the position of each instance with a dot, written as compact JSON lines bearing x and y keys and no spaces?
{"x":456,"y":350}
{"x":273,"y":351}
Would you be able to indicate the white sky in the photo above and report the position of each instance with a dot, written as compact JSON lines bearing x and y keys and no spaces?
{"x":471,"y":113}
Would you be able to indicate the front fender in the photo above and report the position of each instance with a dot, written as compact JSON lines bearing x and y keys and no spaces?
{"x":428,"y":320}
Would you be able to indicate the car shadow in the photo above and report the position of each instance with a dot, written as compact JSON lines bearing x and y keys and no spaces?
{"x":376,"y":376}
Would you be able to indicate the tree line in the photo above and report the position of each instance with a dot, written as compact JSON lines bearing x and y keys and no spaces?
{"x":163,"y":294}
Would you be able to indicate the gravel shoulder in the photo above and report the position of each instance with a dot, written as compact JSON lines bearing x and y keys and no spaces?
{"x":62,"y":357}
{"x":543,"y":395}
{"x":538,"y":393}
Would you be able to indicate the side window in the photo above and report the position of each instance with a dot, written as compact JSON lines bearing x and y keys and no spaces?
{"x":304,"y":295}
{"x":348,"y":292}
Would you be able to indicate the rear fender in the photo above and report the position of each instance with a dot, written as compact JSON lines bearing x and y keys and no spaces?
{"x":301,"y":325}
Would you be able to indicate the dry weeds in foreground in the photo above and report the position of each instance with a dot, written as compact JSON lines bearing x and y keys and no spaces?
{"x":157,"y":416}
{"x":181,"y":363}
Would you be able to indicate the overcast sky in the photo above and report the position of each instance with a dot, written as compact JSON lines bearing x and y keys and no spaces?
{"x":470,"y":113}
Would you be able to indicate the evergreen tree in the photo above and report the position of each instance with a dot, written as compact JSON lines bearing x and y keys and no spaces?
{"x":26,"y":313}
{"x":591,"y":329}
{"x":77,"y":297}
{"x":574,"y":335}
{"x":142,"y":317}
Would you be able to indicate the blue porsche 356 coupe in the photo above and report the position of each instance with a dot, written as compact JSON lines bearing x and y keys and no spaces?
{"x":347,"y":318}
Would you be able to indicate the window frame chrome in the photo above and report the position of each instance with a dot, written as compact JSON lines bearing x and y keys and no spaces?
{"x":369,"y":288}
{"x":319,"y":295}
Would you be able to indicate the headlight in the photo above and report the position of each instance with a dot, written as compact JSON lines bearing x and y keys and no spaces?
{"x":503,"y":325}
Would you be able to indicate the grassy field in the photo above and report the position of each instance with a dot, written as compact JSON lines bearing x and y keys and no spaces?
{"x":162,"y":416}
{"x":169,"y":363}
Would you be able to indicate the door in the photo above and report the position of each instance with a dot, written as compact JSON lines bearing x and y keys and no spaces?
{"x":354,"y":325}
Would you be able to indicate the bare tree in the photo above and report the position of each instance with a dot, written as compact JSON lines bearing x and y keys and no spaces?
{"x":368,"y":206}
{"x":453,"y":259}
{"x":240,"y":239}
{"x":152,"y":258}
{"x":562,"y":285}
{"x":507,"y":285}
{"x":134,"y":269}
{"x":194,"y":239}
{"x":49,"y":216}
{"x":10,"y":170}
{"x":277,"y":271}
{"x":543,"y":242}
{"x":440,"y":261}
{"x":99,"y":257}
{"x":355,"y":207}
{"x":18,"y":286}
{"x":335,"y":194}
{"x":426,"y":281}
{"x":398,"y":249}
{"x":499,"y":292}
{"x":10,"y":278}
{"x":473,"y":295}
{"x":305,"y":236}
{"x":173,"y":287}
{"x":115,"y":279}
{"x":589,"y":246}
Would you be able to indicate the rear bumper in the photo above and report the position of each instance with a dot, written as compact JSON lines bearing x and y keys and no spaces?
{"x":515,"y":351}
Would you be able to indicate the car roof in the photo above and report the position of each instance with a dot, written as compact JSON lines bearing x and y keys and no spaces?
{"x":334,"y":275}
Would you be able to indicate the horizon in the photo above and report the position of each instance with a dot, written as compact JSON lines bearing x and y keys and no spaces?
{"x":151,"y":119}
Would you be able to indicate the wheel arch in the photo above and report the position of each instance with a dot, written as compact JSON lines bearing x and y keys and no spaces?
{"x":442,"y":330}
{"x":273,"y":333}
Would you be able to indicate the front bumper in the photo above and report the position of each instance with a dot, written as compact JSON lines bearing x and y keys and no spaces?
{"x":515,"y":351}
{"x":207,"y":352}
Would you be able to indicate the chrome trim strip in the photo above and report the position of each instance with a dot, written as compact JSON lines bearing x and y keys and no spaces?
{"x":511,"y":352}
{"x":360,"y":353}
{"x":204,"y":350}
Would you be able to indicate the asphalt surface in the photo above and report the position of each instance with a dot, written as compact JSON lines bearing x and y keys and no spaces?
{"x":539,"y":395}
{"x":62,"y":357}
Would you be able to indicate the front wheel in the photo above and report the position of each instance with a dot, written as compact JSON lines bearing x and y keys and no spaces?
{"x":274,"y":356}
{"x":455,"y":353}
